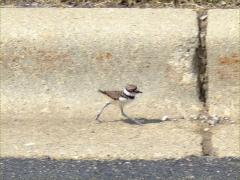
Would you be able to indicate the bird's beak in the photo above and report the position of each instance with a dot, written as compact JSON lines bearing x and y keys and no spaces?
{"x":137,"y":91}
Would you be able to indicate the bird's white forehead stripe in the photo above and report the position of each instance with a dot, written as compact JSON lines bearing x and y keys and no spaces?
{"x":127,"y":92}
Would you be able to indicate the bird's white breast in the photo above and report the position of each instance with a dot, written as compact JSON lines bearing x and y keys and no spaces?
{"x":122,"y":99}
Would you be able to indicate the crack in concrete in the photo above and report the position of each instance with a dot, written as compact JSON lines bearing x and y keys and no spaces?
{"x":207,"y":147}
{"x":202,"y":81}
{"x":201,"y":55}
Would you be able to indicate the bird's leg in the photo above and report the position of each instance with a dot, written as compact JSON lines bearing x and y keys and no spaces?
{"x":99,"y":114}
{"x":126,"y":116}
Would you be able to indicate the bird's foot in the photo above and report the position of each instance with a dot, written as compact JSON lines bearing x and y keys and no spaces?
{"x":136,"y":122}
{"x":98,"y":120}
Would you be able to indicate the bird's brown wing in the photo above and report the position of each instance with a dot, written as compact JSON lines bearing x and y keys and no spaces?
{"x":112,"y":94}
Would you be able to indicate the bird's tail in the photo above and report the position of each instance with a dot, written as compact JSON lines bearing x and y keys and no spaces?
{"x":101,"y":91}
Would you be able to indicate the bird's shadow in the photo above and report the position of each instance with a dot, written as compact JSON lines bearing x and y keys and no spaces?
{"x":141,"y":120}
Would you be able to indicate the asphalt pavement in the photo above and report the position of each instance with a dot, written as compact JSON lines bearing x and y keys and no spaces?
{"x":187,"y":168}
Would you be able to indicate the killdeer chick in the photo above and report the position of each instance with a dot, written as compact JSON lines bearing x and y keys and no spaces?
{"x":121,"y":97}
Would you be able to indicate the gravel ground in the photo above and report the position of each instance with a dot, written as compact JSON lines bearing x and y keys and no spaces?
{"x":209,"y":4}
{"x":187,"y":168}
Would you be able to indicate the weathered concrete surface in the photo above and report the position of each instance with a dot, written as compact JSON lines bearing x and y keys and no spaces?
{"x":226,"y":140}
{"x":75,"y":139}
{"x":223,"y":49}
{"x":54,"y":60}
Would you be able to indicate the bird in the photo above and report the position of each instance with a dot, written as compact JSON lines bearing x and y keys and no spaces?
{"x":121,"y":98}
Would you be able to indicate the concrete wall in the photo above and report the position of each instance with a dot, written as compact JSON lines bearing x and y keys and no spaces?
{"x":223,"y":53}
{"x":55,"y":60}
{"x":223,"y":48}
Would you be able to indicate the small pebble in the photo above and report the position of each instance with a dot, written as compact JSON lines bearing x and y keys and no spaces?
{"x":203,"y":117}
{"x":215,"y":118}
{"x":194,"y":117}
{"x":164,"y":118}
{"x":203,"y":121}
{"x":34,"y":4}
{"x":206,"y":129}
{"x":203,"y":17}
{"x":29,"y":144}
{"x":211,"y":122}
{"x":223,"y":3}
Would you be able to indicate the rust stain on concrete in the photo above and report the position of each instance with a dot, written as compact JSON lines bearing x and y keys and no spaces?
{"x":229,"y":60}
{"x":50,"y":60}
{"x":228,"y":67}
{"x":37,"y":61}
{"x":104,"y":56}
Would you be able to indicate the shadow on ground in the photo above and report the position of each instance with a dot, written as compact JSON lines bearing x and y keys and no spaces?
{"x":187,"y":168}
{"x":141,"y":120}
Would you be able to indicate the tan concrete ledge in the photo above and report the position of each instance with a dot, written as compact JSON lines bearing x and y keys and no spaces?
{"x":70,"y":139}
{"x":226,"y":140}
{"x":55,"y":60}
{"x":223,"y":48}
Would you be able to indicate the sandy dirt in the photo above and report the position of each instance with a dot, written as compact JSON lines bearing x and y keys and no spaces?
{"x":118,"y":139}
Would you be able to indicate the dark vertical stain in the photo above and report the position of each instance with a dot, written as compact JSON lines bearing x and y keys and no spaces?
{"x":201,"y":57}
